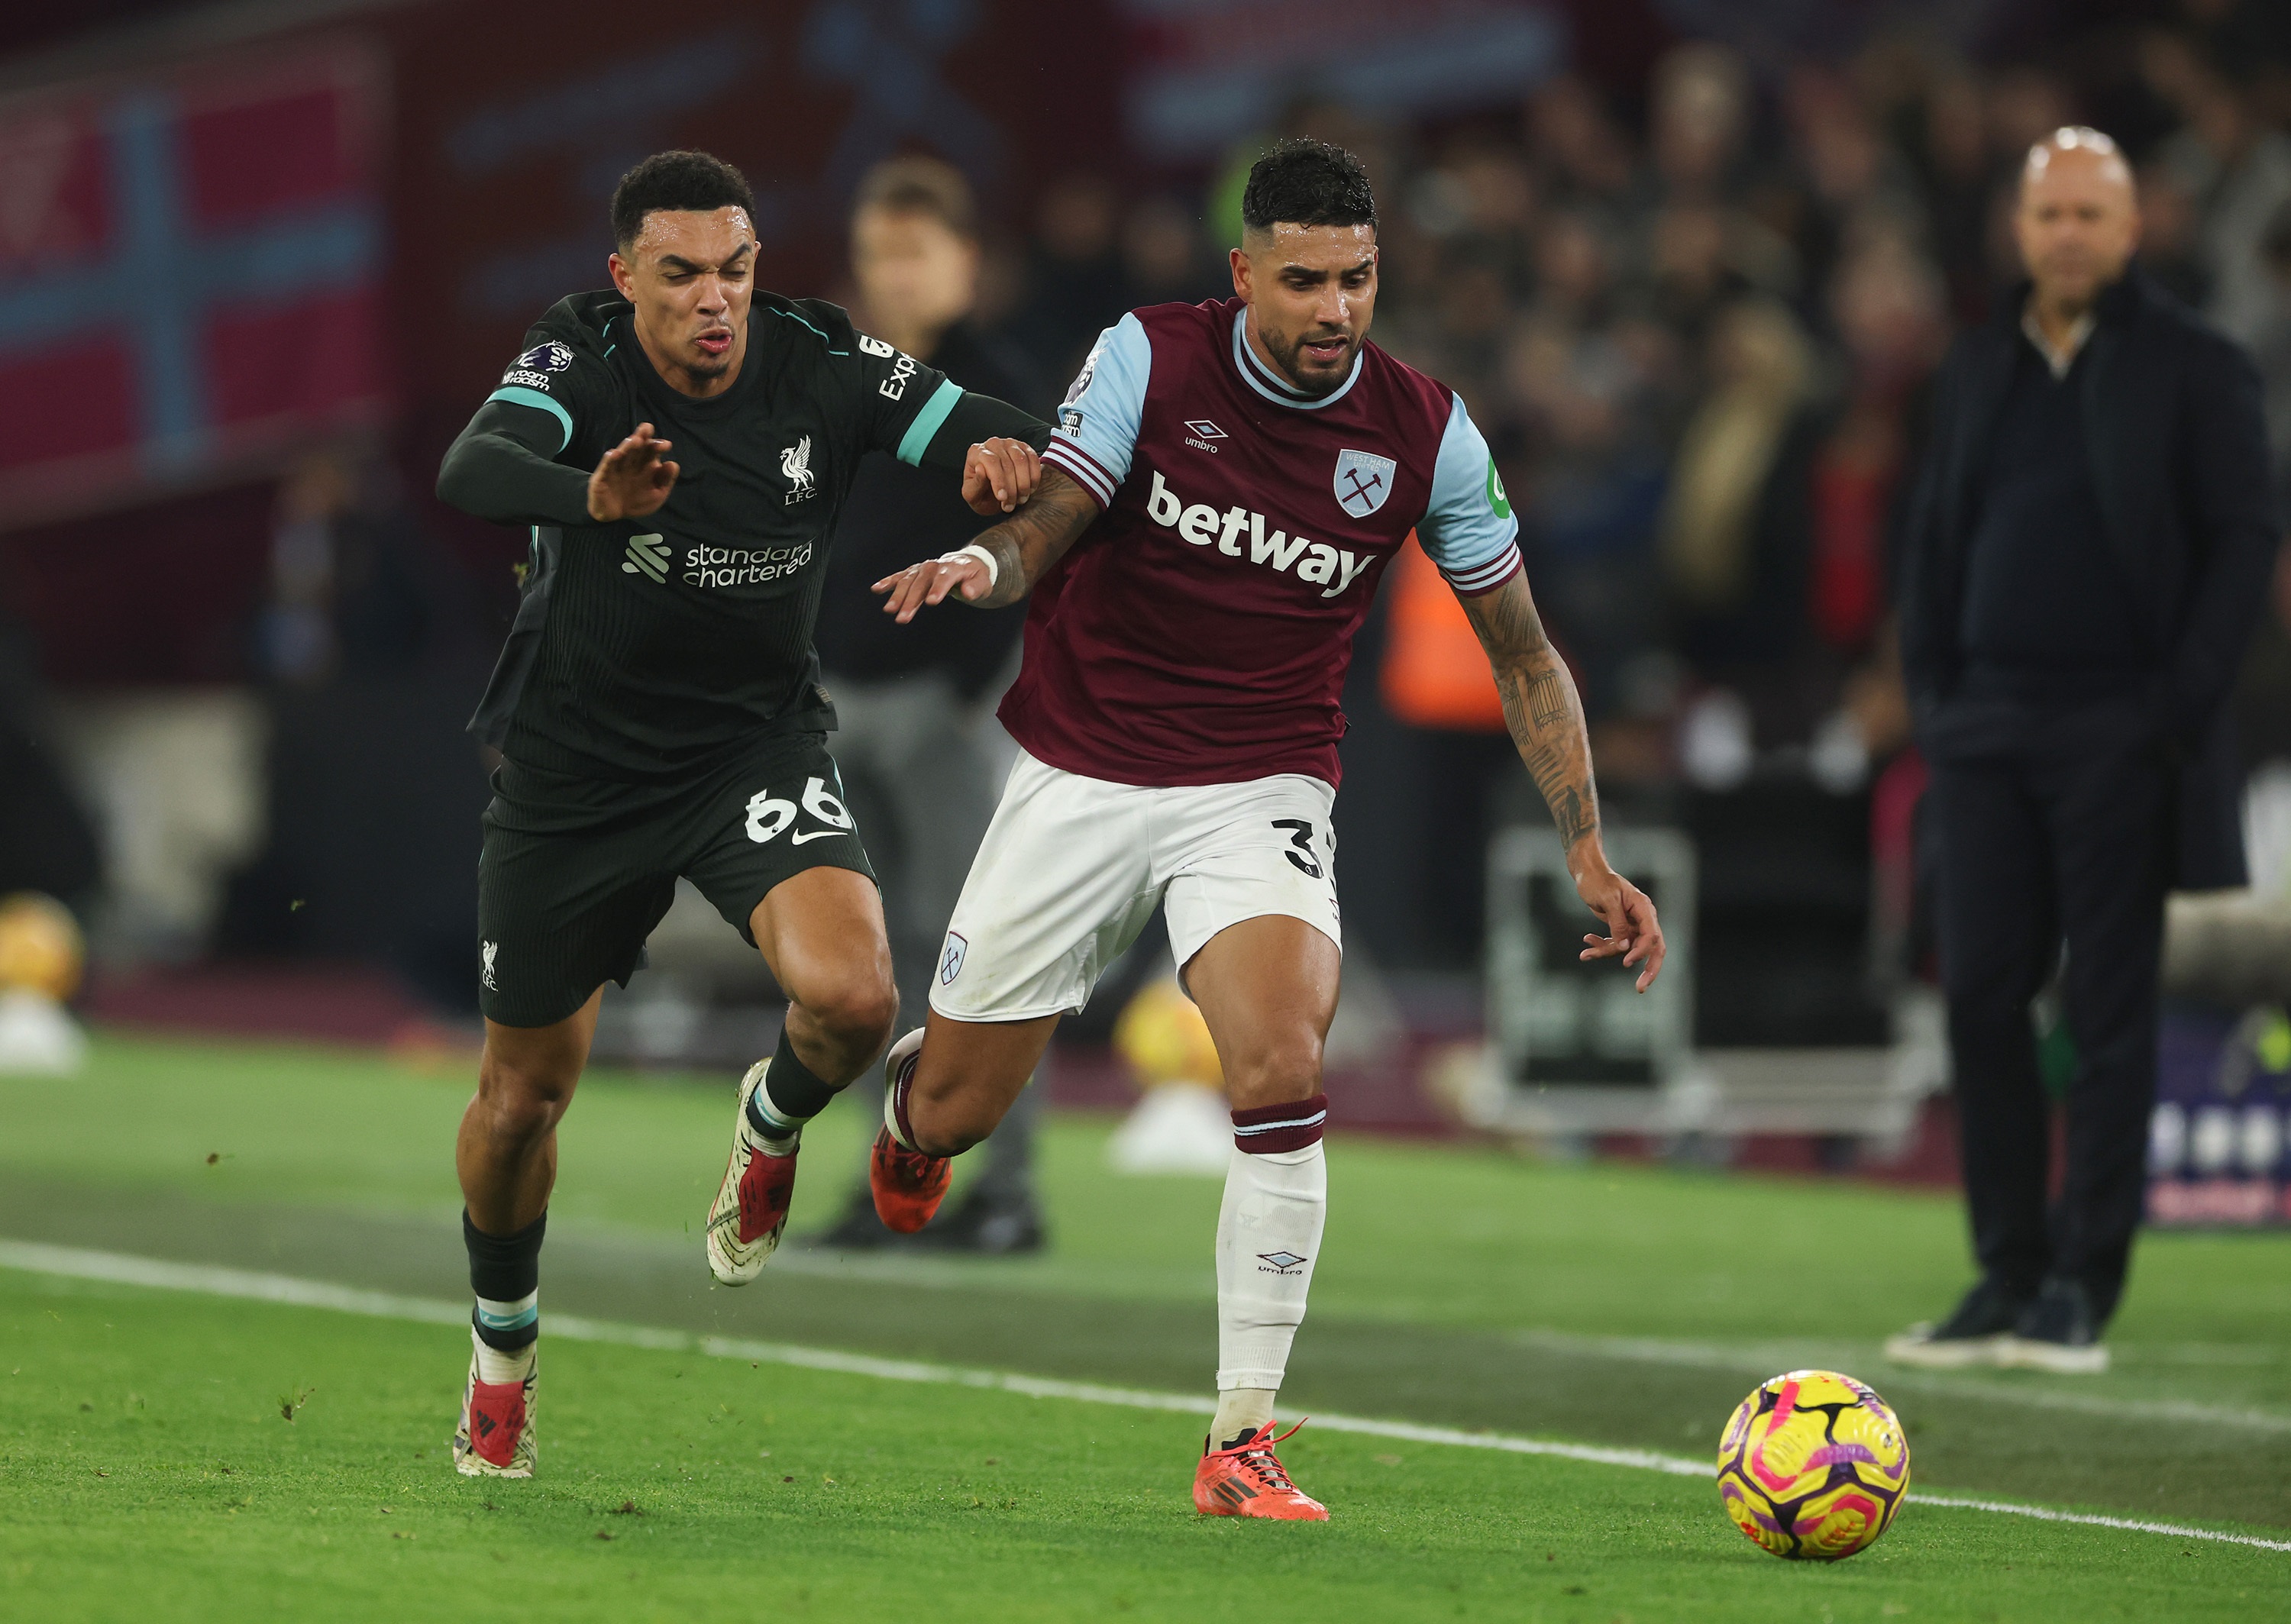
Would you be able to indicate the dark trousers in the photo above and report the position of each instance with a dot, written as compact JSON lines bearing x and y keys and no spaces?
{"x":2036,"y":851}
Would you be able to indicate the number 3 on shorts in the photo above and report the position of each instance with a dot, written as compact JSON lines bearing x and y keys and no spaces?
{"x":1300,"y":836}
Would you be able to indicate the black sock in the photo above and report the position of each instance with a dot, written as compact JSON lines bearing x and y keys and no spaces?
{"x":790,"y":1093}
{"x":504,"y":1274}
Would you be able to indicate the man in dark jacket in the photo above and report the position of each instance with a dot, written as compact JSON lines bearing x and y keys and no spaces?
{"x":922,"y":753}
{"x":2084,"y":557}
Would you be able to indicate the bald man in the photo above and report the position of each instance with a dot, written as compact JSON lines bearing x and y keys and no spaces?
{"x":2084,"y":556}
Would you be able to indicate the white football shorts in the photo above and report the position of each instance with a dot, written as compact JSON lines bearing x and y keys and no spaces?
{"x":1072,"y":867}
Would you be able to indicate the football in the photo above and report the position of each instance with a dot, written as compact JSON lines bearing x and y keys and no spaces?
{"x":1813,"y":1466}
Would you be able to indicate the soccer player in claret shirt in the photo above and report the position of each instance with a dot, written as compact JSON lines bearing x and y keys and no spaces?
{"x":659,"y":711}
{"x":1225,"y":483}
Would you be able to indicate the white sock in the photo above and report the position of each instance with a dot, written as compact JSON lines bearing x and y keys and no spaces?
{"x":496,"y":1367}
{"x":1240,"y":1411}
{"x":1268,"y":1236}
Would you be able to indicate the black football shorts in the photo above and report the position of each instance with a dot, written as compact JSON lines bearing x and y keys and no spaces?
{"x":577,"y":871}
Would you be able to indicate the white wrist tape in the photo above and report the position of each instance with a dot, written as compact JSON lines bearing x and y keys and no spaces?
{"x":994,"y":570}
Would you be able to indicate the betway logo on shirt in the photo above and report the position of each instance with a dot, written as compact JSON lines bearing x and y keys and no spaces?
{"x":1204,"y":527}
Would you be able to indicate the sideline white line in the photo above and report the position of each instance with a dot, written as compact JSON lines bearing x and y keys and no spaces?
{"x":211,"y":1280}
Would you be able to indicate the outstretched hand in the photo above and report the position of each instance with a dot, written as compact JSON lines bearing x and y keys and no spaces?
{"x":634,"y":479}
{"x":998,"y":475}
{"x":1634,"y":933}
{"x":933,"y":582}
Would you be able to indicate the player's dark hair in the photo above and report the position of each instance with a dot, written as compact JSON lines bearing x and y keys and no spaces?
{"x":918,"y":185}
{"x":1308,"y":182}
{"x":699,"y":181}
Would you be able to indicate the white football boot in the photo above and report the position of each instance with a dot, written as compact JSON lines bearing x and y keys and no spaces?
{"x":494,"y":1438}
{"x":751,"y":1204}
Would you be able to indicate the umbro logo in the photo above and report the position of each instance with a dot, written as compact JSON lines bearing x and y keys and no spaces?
{"x":649,"y":555}
{"x":1283,"y":1262}
{"x":1200,"y":431}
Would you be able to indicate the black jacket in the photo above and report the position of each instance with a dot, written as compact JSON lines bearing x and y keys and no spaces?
{"x":2178,"y":440}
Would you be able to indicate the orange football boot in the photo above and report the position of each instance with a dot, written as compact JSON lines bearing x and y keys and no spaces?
{"x":907,"y":1185}
{"x":1249,"y":1481}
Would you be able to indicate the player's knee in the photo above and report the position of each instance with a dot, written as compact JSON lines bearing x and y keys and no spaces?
{"x":523,"y":1097}
{"x":856,"y":1017}
{"x":1281,"y":1068}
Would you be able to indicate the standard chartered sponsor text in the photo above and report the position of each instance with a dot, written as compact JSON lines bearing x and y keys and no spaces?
{"x":743,"y":567}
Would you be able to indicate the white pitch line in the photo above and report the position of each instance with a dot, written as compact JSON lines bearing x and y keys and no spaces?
{"x":211,"y":1280}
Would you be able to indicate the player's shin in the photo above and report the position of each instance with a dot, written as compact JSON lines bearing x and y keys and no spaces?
{"x":505,"y":1276}
{"x":791,"y":1096}
{"x":1276,"y":1191}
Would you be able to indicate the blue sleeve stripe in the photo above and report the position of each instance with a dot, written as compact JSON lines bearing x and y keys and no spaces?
{"x":516,"y":396}
{"x":918,"y":438}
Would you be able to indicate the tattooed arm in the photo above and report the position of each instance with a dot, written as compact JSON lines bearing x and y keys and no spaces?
{"x":1545,"y":716}
{"x":1022,"y":546}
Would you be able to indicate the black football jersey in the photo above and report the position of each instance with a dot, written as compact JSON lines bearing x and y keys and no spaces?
{"x":654,"y":646}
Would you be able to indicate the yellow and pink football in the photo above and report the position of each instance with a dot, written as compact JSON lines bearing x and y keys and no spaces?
{"x":1814,"y":1466}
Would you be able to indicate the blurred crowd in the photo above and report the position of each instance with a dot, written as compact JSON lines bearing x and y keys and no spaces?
{"x":1698,"y":331}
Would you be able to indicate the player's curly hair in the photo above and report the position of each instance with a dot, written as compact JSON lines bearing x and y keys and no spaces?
{"x":1308,"y":182}
{"x":697,"y":181}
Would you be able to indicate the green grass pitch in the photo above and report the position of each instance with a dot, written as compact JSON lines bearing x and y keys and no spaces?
{"x":146,"y":1471}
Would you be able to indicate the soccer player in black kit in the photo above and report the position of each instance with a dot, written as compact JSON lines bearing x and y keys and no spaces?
{"x":659,"y":711}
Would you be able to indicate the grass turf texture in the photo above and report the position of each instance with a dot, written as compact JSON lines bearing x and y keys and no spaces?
{"x":1461,"y":1287}
{"x":146,"y":1472}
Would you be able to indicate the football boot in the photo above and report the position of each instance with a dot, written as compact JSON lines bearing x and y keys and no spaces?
{"x":751,"y":1204}
{"x":1246,"y":1479}
{"x":908,"y":1185}
{"x":494,"y":1438}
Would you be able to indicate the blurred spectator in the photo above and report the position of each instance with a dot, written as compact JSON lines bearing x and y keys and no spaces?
{"x":355,"y":587}
{"x":1885,"y":304}
{"x":2240,"y":173}
{"x":1734,"y":541}
{"x":1164,"y":261}
{"x":1700,"y":117}
{"x":920,"y":751}
{"x":1074,"y":278}
{"x":2171,"y":235}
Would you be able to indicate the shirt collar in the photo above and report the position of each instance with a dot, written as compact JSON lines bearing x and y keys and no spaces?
{"x":1271,"y":384}
{"x":2059,"y":360}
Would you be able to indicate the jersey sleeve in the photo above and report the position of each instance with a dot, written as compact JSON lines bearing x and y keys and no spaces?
{"x":1097,"y":426}
{"x":525,"y":456}
{"x":1468,"y":531}
{"x":561,"y":380}
{"x":902,"y":402}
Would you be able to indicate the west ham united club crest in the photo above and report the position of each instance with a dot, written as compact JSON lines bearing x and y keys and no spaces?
{"x":1364,"y":480}
{"x":950,"y":962}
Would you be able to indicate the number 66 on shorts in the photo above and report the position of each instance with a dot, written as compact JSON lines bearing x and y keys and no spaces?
{"x":768,"y":817}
